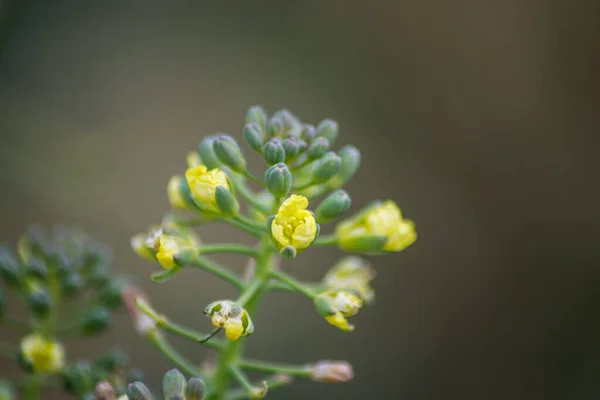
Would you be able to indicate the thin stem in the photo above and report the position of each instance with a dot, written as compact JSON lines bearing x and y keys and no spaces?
{"x":228,"y":248}
{"x":294,"y":284}
{"x":241,"y":225}
{"x":264,"y":366}
{"x":241,"y":378}
{"x":248,"y":222}
{"x":161,"y":344}
{"x":218,"y":270}
{"x":250,"y":197}
{"x":253,"y":178}
{"x":326,"y":240}
{"x":251,"y":290}
{"x":273,"y":382}
{"x":283,"y":287}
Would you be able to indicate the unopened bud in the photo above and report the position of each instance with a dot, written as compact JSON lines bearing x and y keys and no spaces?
{"x":111,"y":293}
{"x":9,"y":267}
{"x":95,"y":320}
{"x":279,"y":180}
{"x":195,"y":389}
{"x":226,"y":201}
{"x":317,"y":148}
{"x":173,"y":383}
{"x":112,"y":361}
{"x":207,"y":153}
{"x":273,"y":151}
{"x":291,"y":124}
{"x":334,"y":205}
{"x":253,"y":135}
{"x":293,"y":146}
{"x":71,"y":283}
{"x":257,"y":115}
{"x":39,"y":302}
{"x":37,"y":268}
{"x":350,"y":162}
{"x":179,"y":194}
{"x":105,"y":391}
{"x":326,"y":168}
{"x":331,"y":371}
{"x":259,"y":392}
{"x":229,"y":153}
{"x":328,"y":129}
{"x":289,"y":252}
{"x":77,"y":378}
{"x":142,"y":323}
{"x":138,"y":391}
{"x":308,"y":133}
{"x":275,"y":127}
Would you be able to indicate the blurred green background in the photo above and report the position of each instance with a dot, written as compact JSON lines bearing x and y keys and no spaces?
{"x":479,"y":118}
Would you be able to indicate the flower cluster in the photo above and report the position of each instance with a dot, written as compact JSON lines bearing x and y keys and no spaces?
{"x":284,"y":207}
{"x":64,"y":278}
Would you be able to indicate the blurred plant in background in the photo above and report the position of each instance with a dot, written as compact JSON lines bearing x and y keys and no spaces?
{"x":300,"y":167}
{"x":64,"y":279}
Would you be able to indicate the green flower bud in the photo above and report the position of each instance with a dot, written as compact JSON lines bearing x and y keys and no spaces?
{"x":279,"y":180}
{"x":207,"y":153}
{"x":7,"y":392}
{"x":327,"y":167}
{"x":350,"y":162}
{"x":112,"y":360}
{"x":10,"y":269}
{"x":293,"y":146}
{"x":110,"y":294}
{"x":317,"y":148}
{"x":291,"y":124}
{"x":253,"y":135}
{"x":334,"y":205}
{"x":226,"y":201}
{"x":328,"y":129}
{"x":324,"y":306}
{"x":273,"y":152}
{"x":289,"y":252}
{"x":175,"y":396}
{"x":78,"y":378}
{"x":308,"y":133}
{"x":138,"y":391}
{"x":173,"y":383}
{"x":256,"y":114}
{"x":39,"y":302}
{"x":36,"y":267}
{"x":135,"y":375}
{"x":71,"y":284}
{"x":95,"y":320}
{"x":229,"y":153}
{"x":275,"y":127}
{"x":195,"y":389}
{"x":98,"y":274}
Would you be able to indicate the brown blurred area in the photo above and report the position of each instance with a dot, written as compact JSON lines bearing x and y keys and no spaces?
{"x":479,"y":118}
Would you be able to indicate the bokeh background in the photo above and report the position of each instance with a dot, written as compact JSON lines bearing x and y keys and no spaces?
{"x":479,"y":118}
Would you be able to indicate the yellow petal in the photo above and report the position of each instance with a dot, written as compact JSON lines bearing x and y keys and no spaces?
{"x":339,"y":321}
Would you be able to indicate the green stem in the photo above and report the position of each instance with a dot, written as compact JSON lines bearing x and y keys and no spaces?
{"x":283,"y":287}
{"x":248,"y":222}
{"x":294,"y":284}
{"x":241,"y":378}
{"x":161,"y":344}
{"x":326,"y":240}
{"x":263,"y":366}
{"x":273,"y":382}
{"x":218,"y":270}
{"x":249,"y":196}
{"x":33,"y":386}
{"x":253,"y":178}
{"x":242,"y":225}
{"x":228,"y":248}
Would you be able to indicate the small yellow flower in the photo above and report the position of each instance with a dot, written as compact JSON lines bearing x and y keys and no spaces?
{"x":228,"y":315}
{"x":168,"y":248}
{"x":352,"y":274}
{"x":43,"y":354}
{"x":336,"y":307}
{"x":294,"y":225}
{"x":174,"y":192}
{"x":164,"y":244}
{"x":203,"y":185}
{"x":383,"y":221}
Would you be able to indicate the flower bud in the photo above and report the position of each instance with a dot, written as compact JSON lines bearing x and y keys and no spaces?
{"x":334,"y":205}
{"x":279,"y":180}
{"x":328,"y":129}
{"x":39,"y":302}
{"x":203,"y":185}
{"x":257,"y":115}
{"x":258,"y":392}
{"x":112,"y":361}
{"x":207,"y":153}
{"x":273,"y":152}
{"x":317,"y":148}
{"x":9,"y":267}
{"x":37,"y":268}
{"x":350,"y":162}
{"x":95,"y":320}
{"x":142,"y":323}
{"x":42,"y":354}
{"x":253,"y":135}
{"x":336,"y":306}
{"x":7,"y":392}
{"x":135,"y":375}
{"x":193,"y":159}
{"x":326,"y":167}
{"x":78,"y":378}
{"x":293,"y":146}
{"x":226,"y":201}
{"x":275,"y":127}
{"x":308,"y":133}
{"x":105,"y":391}
{"x":138,"y":391}
{"x":173,"y":383}
{"x":71,"y":284}
{"x":230,"y":316}
{"x":331,"y":371}
{"x":179,"y":194}
{"x":352,"y":274}
{"x":110,"y":294}
{"x":229,"y":153}
{"x":195,"y":389}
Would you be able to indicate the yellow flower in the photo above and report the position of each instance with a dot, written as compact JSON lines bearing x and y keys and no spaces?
{"x":164,"y":244}
{"x":379,"y":227}
{"x":352,"y":274}
{"x":203,"y":186}
{"x":43,"y":354}
{"x":168,"y":248}
{"x":294,"y":225}
{"x":228,"y":315}
{"x":174,"y":192}
{"x":336,"y":307}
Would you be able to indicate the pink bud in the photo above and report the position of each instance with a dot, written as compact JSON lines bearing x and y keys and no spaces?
{"x":331,"y":371}
{"x":141,"y":322}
